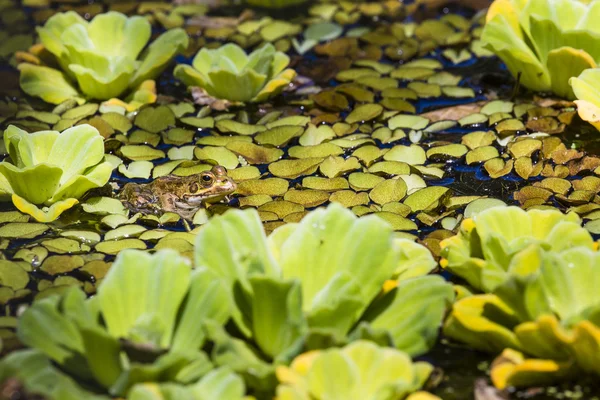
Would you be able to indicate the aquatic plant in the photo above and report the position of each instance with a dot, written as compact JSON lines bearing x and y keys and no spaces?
{"x":229,"y":73}
{"x":316,"y":283}
{"x":363,"y":370}
{"x":99,"y":59}
{"x":52,"y":169}
{"x":587,"y":90}
{"x":544,"y":42}
{"x":144,"y":325}
{"x":219,"y":383}
{"x":550,"y":313}
{"x":501,"y":240}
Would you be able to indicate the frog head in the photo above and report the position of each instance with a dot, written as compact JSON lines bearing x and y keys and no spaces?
{"x":209,"y":186}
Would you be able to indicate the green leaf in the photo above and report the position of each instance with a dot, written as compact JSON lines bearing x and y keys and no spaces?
{"x":587,"y":86}
{"x":248,"y":84}
{"x":44,"y":327}
{"x":103,"y":78}
{"x":241,"y":358}
{"x":36,"y":184}
{"x":207,"y":299}
{"x":334,"y":242}
{"x":158,"y":55}
{"x":75,"y":150}
{"x":415,"y":260}
{"x":362,"y":371}
{"x":49,"y":84}
{"x":277,"y":320}
{"x":518,"y":57}
{"x":484,"y":322}
{"x":233,"y":246}
{"x":103,"y":353}
{"x":422,"y":303}
{"x":191,"y":77}
{"x":38,"y":375}
{"x":220,"y":383}
{"x":141,"y":294}
{"x":114,"y":34}
{"x":164,"y":369}
{"x":51,"y":32}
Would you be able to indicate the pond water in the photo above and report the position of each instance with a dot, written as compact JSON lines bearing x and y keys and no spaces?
{"x":339,"y":132}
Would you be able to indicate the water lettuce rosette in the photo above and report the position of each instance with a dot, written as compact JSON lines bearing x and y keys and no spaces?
{"x":145,"y":324}
{"x":544,"y":42}
{"x":229,"y":73}
{"x":100,"y":59}
{"x":545,"y":322}
{"x":503,"y":239}
{"x":539,"y":270}
{"x":363,"y":370}
{"x":315,"y":284}
{"x":52,"y":170}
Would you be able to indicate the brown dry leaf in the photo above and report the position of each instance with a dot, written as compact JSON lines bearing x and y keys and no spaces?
{"x":532,"y":192}
{"x":204,"y":99}
{"x":206,"y":22}
{"x":454,"y":113}
{"x":562,"y":155}
{"x":552,"y":102}
{"x":587,"y":163}
{"x":496,"y":167}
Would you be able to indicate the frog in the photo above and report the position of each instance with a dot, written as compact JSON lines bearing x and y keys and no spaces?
{"x":183,"y":195}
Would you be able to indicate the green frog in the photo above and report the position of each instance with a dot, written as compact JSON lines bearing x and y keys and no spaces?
{"x":183,"y":195}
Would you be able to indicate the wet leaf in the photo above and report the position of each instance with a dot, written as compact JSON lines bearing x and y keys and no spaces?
{"x":55,"y":265}
{"x":360,"y":181}
{"x":221,"y":155}
{"x":412,"y":155}
{"x":408,"y":121}
{"x":279,"y":136}
{"x":269,"y":186}
{"x":141,"y":153}
{"x":229,"y":125}
{"x":390,"y":190}
{"x":137,"y":169}
{"x":253,"y":153}
{"x":156,"y":119}
{"x":14,"y":230}
{"x":426,"y":198}
{"x":12,"y":275}
{"x":364,"y":113}
{"x":115,"y":246}
{"x":292,"y":169}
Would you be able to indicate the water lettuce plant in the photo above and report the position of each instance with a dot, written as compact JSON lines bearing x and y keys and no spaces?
{"x":363,"y":370}
{"x":500,"y":240}
{"x":550,"y":314}
{"x":544,"y":42}
{"x":145,"y":324}
{"x":229,"y":73}
{"x":52,"y":170}
{"x":587,"y":90}
{"x":100,"y":59}
{"x":256,"y":303}
{"x":315,"y":284}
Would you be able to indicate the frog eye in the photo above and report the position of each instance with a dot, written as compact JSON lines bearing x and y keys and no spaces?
{"x":193,"y":187}
{"x":206,"y":179}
